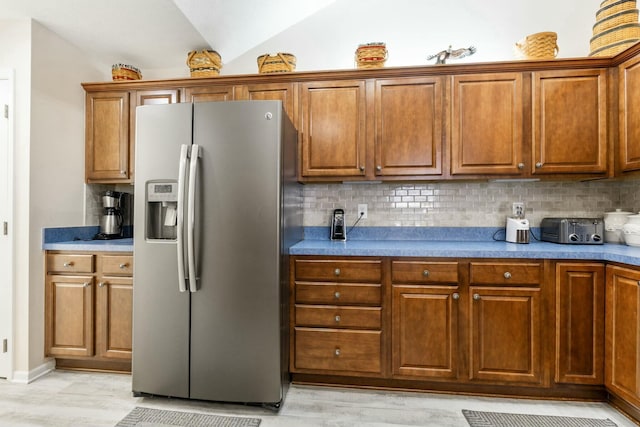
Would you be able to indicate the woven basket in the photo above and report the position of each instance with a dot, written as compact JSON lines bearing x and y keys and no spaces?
{"x":371,"y":55}
{"x":125,"y":72}
{"x":538,"y":46}
{"x":278,"y":63}
{"x":608,"y":8}
{"x":615,"y":35}
{"x":614,"y":48}
{"x":204,"y":63}
{"x":625,"y":17}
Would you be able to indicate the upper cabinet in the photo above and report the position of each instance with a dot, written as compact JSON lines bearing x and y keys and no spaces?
{"x":629,"y":115}
{"x":569,"y":129}
{"x":486,"y":124}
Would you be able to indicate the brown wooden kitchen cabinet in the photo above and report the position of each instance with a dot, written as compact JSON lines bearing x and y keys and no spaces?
{"x":622,"y":351}
{"x":336,"y":317}
{"x":110,"y":132}
{"x":580,"y":303}
{"x":569,"y":129}
{"x":629,"y":116}
{"x":88,"y":310}
{"x":505,"y":322}
{"x":426,"y":303}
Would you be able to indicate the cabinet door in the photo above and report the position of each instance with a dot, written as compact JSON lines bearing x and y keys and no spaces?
{"x":622,"y":352}
{"x":333,"y":122}
{"x":272,"y":91}
{"x":629,"y":93}
{"x":208,"y":93}
{"x":569,"y":121}
{"x":114,"y":311}
{"x":408,"y":121}
{"x":69,"y":315}
{"x":425,"y":331}
{"x":486,"y":124}
{"x":107,"y":156}
{"x":580,"y":323}
{"x":505,"y":334}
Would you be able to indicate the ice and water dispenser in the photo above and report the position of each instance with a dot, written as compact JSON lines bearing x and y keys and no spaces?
{"x":162,"y":201}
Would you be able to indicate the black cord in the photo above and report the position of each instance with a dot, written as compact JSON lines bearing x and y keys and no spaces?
{"x":354,"y":224}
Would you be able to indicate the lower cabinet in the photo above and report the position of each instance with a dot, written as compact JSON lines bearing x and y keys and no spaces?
{"x":622,"y":352}
{"x":88,"y":309}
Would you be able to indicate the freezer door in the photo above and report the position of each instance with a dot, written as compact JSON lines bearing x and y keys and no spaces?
{"x":160,"y":311}
{"x":235,"y":329}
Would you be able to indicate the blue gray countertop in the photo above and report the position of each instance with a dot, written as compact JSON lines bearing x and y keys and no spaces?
{"x":446,"y":242}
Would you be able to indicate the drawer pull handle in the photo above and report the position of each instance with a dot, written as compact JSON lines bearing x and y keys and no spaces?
{"x":476,"y":297}
{"x":336,"y":271}
{"x":507,"y":275}
{"x":425,"y":273}
{"x":125,"y":265}
{"x":68,"y":264}
{"x":337,"y":318}
{"x":455,"y":296}
{"x":337,"y":352}
{"x":337,"y":295}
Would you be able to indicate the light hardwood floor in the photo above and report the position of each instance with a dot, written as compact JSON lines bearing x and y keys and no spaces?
{"x":78,"y":399}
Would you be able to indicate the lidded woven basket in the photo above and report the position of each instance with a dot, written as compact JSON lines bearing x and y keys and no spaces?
{"x":278,"y":63}
{"x":125,"y":72}
{"x":204,"y":63}
{"x":371,"y":55}
{"x":616,"y":27}
{"x":542,"y":45}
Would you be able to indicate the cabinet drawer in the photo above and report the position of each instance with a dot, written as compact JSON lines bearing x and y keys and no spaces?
{"x":336,"y":294}
{"x":117,"y":264}
{"x":337,"y":350}
{"x":424,"y":272}
{"x":70,"y":263}
{"x":339,"y":271}
{"x":504,"y":273}
{"x":333,"y":316}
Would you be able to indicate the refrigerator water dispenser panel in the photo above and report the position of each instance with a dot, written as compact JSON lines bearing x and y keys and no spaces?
{"x":162,"y":202}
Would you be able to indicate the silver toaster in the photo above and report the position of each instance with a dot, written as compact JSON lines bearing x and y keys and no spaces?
{"x":580,"y":231}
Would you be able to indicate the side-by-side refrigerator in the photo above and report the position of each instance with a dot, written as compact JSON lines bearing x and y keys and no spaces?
{"x":217,"y":206}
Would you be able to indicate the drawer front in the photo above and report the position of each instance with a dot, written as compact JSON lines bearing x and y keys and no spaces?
{"x":337,"y":350}
{"x":504,"y":273}
{"x":70,"y":263}
{"x":424,"y":272}
{"x":339,"y":271}
{"x":338,"y":317}
{"x":117,"y":264}
{"x":337,"y":294}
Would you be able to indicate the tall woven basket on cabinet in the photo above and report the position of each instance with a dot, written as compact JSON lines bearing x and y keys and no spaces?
{"x":616,"y":27}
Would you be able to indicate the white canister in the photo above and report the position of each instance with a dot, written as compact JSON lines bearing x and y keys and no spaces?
{"x":631,"y":230}
{"x":613,"y":222}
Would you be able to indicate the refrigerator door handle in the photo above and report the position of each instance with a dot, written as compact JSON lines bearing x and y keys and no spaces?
{"x":182,"y":169}
{"x":191,"y":217}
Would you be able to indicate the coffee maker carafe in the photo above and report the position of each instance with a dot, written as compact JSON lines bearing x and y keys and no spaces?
{"x":111,"y":220}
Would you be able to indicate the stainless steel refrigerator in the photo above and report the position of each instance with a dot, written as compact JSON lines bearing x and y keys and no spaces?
{"x":216,"y":208}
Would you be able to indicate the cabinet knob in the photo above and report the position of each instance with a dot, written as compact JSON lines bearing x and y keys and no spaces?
{"x":361,"y":168}
{"x":507,"y":275}
{"x":378,"y":168}
{"x":538,"y":165}
{"x":336,"y":352}
{"x":425,"y":273}
{"x":476,"y":297}
{"x":337,"y":318}
{"x":520,"y":166}
{"x":455,"y":296}
{"x":336,"y":271}
{"x":101,"y":284}
{"x":86,"y":284}
{"x":337,"y":295}
{"x":122,"y":172}
{"x":68,"y":264}
{"x":125,"y":265}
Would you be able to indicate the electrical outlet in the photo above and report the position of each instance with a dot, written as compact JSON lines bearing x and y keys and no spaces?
{"x":362,"y":211}
{"x":517,"y":209}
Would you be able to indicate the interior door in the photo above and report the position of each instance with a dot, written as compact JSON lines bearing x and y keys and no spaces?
{"x":6,"y":204}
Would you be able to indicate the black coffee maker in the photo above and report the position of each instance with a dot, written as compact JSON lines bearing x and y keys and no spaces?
{"x":111,"y":222}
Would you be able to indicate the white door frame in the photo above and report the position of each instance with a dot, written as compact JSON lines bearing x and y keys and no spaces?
{"x":7,"y":281}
